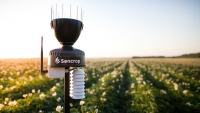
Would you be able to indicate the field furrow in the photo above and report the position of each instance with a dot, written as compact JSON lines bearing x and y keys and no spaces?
{"x":175,"y":99}
{"x":111,"y":86}
{"x":185,"y":82}
{"x":108,"y":94}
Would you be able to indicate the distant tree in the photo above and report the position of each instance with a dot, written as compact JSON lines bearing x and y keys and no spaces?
{"x":192,"y":55}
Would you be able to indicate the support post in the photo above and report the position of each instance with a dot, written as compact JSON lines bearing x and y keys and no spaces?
{"x":41,"y":58}
{"x":66,"y":90}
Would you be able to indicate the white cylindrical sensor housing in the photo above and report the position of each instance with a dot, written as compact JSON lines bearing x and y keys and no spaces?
{"x":77,"y":90}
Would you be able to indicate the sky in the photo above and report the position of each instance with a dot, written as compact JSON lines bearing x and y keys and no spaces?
{"x":112,"y":28}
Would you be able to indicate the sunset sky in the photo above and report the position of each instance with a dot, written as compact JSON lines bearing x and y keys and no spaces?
{"x":112,"y":28}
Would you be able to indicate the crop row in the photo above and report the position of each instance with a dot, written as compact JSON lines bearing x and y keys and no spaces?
{"x":186,"y":81}
{"x":28,"y":97}
{"x":141,"y":94}
{"x":177,"y":99}
{"x":113,"y":86}
{"x":108,"y":94}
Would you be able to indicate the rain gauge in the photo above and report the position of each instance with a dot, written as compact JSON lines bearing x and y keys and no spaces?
{"x":67,"y":31}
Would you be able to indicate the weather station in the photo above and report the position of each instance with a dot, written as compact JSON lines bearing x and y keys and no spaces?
{"x":66,"y":59}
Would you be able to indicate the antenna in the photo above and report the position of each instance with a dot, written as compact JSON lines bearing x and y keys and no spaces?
{"x":56,"y":11}
{"x":77,"y":12}
{"x":81,"y":13}
{"x":70,"y":10}
{"x":41,"y":59}
{"x":51,"y":12}
{"x":62,"y":10}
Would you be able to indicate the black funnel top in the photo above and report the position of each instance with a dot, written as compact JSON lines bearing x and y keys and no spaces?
{"x":67,"y":30}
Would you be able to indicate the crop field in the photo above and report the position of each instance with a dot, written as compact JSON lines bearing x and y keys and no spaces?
{"x":111,"y":86}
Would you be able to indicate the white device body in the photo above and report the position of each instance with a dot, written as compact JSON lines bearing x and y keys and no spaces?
{"x":56,"y":72}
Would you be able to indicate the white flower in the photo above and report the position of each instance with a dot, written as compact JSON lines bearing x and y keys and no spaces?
{"x":14,"y":102}
{"x":59,"y":108}
{"x":138,"y":82}
{"x":53,"y":88}
{"x":58,"y":99}
{"x":57,"y":84}
{"x":71,"y":105}
{"x":54,"y":94}
{"x":1,"y":86}
{"x":103,"y":99}
{"x":18,"y":73}
{"x":24,"y":95}
{"x":144,"y":82}
{"x":30,"y":94}
{"x":1,"y":106}
{"x":188,"y":103}
{"x":13,"y":87}
{"x":38,"y":91}
{"x":11,"y":103}
{"x":82,"y":102}
{"x":42,"y":96}
{"x":40,"y":111}
{"x":163,"y":91}
{"x":185,"y":91}
{"x":104,"y":93}
{"x":33,"y":90}
{"x":96,"y":111}
{"x":175,"y":86}
{"x":132,"y":85}
{"x":17,"y":82}
{"x":6,"y":99}
{"x":148,"y":91}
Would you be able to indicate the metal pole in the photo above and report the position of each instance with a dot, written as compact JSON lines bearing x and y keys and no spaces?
{"x":66,"y":91}
{"x":41,"y":58}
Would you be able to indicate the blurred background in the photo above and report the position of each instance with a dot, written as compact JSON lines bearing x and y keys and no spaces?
{"x":111,"y":28}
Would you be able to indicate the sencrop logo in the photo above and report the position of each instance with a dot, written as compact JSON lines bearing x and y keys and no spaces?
{"x":69,"y":61}
{"x":57,"y":60}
